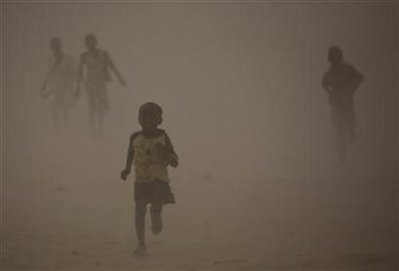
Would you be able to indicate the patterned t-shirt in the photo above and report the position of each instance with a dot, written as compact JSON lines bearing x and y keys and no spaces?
{"x":149,"y":162}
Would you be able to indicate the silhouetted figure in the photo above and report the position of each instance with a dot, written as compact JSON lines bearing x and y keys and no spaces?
{"x":341,"y":82}
{"x":152,"y":152}
{"x":59,"y":84}
{"x":97,"y":64}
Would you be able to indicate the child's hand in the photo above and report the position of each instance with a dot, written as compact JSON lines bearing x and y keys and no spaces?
{"x":163,"y":156}
{"x":124,"y":174}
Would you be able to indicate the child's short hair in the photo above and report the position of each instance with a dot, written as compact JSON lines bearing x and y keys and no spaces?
{"x":151,"y":107}
{"x":91,"y":37}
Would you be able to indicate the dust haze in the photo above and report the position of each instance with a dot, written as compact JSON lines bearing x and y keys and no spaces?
{"x":259,"y":185}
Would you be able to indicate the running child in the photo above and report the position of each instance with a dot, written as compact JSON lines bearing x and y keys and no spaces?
{"x":151,"y":151}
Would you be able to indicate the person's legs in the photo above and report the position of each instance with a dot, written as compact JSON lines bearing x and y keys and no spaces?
{"x":340,"y":132}
{"x":55,"y":111}
{"x":156,"y":218}
{"x":351,"y":118}
{"x":161,"y":195}
{"x":64,"y":112}
{"x":103,"y":106}
{"x":341,"y":144}
{"x":92,"y":103}
{"x":141,"y":197}
{"x":141,"y":208}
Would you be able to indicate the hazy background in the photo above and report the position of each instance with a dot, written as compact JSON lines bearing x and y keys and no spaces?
{"x":259,"y":186}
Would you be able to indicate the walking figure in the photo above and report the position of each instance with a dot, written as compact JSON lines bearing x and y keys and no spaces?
{"x":96,"y":64}
{"x":341,"y":81}
{"x":58,"y":85}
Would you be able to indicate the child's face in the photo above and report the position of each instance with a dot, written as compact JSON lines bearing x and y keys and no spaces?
{"x":90,"y":43}
{"x":335,"y":58}
{"x":149,"y":119}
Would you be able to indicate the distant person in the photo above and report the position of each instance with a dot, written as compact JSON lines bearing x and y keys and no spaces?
{"x":152,"y":152}
{"x":98,"y":65}
{"x":341,"y":81}
{"x":59,"y":83}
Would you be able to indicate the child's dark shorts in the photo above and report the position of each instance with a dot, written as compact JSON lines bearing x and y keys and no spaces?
{"x":154,"y":192}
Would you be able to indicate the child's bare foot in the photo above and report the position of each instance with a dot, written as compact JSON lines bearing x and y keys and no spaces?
{"x":140,"y":251}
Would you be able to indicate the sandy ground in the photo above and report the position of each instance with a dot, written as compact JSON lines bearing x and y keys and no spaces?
{"x":68,"y":210}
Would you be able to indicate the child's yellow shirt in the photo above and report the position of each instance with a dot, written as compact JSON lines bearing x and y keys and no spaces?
{"x":148,"y":164}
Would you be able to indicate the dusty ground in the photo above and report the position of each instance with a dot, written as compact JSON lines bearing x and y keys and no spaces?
{"x":68,"y":210}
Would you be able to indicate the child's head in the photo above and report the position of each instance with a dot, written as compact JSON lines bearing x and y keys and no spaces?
{"x":150,"y":116}
{"x":90,"y":41}
{"x":335,"y":55}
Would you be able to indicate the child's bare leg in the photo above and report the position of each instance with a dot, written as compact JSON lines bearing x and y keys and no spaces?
{"x":102,"y":105}
{"x":101,"y":118}
{"x":156,"y":218}
{"x":92,"y":112}
{"x":341,"y":144}
{"x":352,"y":127}
{"x":55,"y":116}
{"x":141,"y":209}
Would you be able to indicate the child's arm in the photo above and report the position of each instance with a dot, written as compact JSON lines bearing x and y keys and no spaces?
{"x":356,"y":79}
{"x":129,"y":159}
{"x":173,"y":158}
{"x":325,"y":82}
{"x":43,"y":88}
{"x":114,"y":69}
